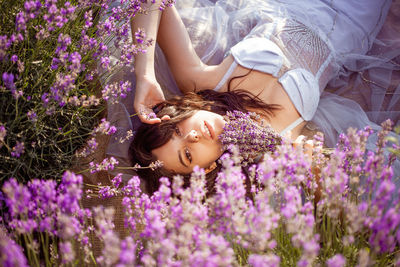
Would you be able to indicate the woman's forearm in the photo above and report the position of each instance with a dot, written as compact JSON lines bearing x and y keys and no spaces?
{"x":149,"y":23}
{"x":168,"y":29}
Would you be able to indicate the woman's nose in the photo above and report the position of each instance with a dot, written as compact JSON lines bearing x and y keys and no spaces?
{"x":193,"y":136}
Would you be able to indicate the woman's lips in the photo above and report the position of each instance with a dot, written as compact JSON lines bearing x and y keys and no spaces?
{"x":208,"y":130}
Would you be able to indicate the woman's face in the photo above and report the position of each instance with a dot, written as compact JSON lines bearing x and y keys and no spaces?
{"x":195,"y":142}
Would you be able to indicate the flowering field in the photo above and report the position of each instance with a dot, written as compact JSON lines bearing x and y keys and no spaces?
{"x":340,"y":209}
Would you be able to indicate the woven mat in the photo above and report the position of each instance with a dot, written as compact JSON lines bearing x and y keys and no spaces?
{"x":104,"y":178}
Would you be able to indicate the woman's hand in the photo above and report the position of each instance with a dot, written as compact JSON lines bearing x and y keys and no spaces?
{"x":306,"y":145}
{"x":307,"y":148}
{"x":148,"y":94}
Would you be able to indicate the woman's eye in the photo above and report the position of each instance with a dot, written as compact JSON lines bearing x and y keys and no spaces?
{"x":177,"y":131}
{"x":188,"y":155}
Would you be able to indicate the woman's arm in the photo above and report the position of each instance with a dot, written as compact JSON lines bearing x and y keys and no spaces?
{"x":148,"y":92}
{"x":190,"y":73}
{"x":174,"y":40}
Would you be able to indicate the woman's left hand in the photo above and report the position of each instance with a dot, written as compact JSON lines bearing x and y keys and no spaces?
{"x":148,"y":93}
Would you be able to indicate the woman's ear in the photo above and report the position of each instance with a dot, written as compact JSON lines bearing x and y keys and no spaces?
{"x":211,"y":167}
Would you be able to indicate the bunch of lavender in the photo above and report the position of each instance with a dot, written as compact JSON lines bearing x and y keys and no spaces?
{"x":253,"y":138}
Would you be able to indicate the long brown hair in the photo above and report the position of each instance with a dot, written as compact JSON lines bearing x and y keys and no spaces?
{"x":152,"y":136}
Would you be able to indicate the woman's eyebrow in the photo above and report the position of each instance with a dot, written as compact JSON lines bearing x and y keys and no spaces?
{"x":181,"y":160}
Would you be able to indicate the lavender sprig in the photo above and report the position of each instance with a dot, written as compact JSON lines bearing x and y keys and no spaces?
{"x":252,"y":138}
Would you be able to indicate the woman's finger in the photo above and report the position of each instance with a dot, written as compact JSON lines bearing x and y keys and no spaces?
{"x":308,"y":148}
{"x":165,"y":118}
{"x":147,"y":115}
{"x":299,"y":141}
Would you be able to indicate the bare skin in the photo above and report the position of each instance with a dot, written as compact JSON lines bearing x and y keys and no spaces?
{"x":191,"y":73}
{"x":195,"y":142}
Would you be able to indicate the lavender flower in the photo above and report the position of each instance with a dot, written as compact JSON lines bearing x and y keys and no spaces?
{"x":64,"y":40}
{"x":18,"y":149}
{"x":8,"y":80}
{"x":140,"y":36}
{"x":263,"y":260}
{"x":14,"y":58}
{"x":3,"y":134}
{"x":89,"y":148}
{"x":105,"y":231}
{"x":11,"y":254}
{"x":67,"y":252}
{"x":113,"y":92}
{"x":105,"y":165}
{"x":252,"y":138}
{"x":32,"y":115}
{"x":336,"y":261}
{"x":105,"y":128}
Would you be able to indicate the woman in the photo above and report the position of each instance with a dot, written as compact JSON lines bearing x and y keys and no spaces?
{"x":285,"y":53}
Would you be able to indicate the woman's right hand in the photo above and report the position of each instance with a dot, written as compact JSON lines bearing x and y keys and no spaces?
{"x":148,"y":94}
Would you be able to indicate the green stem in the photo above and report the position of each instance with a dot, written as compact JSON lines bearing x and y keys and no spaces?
{"x":72,"y":138}
{"x":45,"y":249}
{"x":4,"y":143}
{"x":31,"y":253}
{"x":129,"y":168}
{"x":93,"y":259}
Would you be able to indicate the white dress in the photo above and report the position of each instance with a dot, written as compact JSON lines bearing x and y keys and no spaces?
{"x":326,"y":39}
{"x":340,"y":43}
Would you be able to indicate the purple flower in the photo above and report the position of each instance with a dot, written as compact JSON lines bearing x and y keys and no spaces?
{"x":62,"y":86}
{"x":8,"y":80}
{"x":17,"y":198}
{"x":90,"y":147}
{"x":292,"y":202}
{"x":104,"y":128}
{"x":336,"y":261}
{"x":75,"y":60}
{"x":3,"y":134}
{"x":18,"y":149}
{"x":140,"y":36}
{"x":88,"y":19}
{"x":263,"y":260}
{"x":68,"y":226}
{"x":11,"y":254}
{"x":105,"y":165}
{"x":127,"y":256}
{"x":105,"y":62}
{"x":151,"y":115}
{"x":67,"y":252}
{"x":105,"y":231}
{"x":32,"y":115}
{"x":107,"y":192}
{"x":113,"y":92}
{"x":64,"y":40}
{"x":70,"y":192}
{"x":14,"y":58}
{"x":117,"y":180}
{"x":252,"y":138}
{"x":20,"y":21}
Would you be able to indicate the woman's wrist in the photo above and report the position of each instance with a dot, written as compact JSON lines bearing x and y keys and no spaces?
{"x":146,"y":78}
